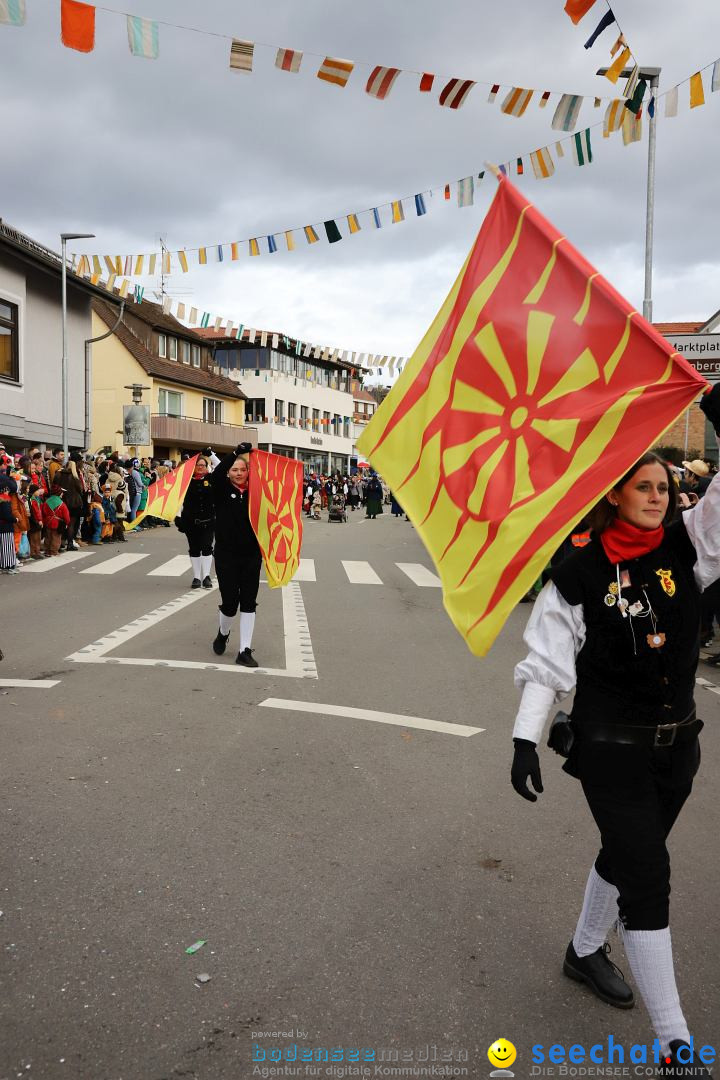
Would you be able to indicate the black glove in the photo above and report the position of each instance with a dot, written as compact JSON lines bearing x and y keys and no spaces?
{"x":710,"y":405}
{"x":179,"y":524}
{"x":207,"y":451}
{"x":243,"y":448}
{"x":526,"y":764}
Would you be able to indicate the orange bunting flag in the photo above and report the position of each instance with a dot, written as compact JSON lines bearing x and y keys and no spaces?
{"x":77,"y":25}
{"x":578,"y":9}
{"x":165,"y":496}
{"x":275,"y":508}
{"x":535,"y":389}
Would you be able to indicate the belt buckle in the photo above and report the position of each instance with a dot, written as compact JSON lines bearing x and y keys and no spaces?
{"x":665,"y":729}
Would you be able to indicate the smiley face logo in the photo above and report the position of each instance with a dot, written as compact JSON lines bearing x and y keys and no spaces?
{"x":501,"y":1054}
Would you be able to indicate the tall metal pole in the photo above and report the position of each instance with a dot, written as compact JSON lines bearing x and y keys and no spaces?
{"x":650,"y":214}
{"x":64,"y":367}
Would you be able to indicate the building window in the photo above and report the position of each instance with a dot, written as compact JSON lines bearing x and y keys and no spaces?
{"x":255,"y":410}
{"x":172,"y":348}
{"x":279,"y":411}
{"x":169,"y":403}
{"x":346,"y":427}
{"x":195,"y":355}
{"x":326,"y":423}
{"x":292,"y":411}
{"x":162,"y":345}
{"x":185,"y":352}
{"x":9,"y":365}
{"x":336,"y":424}
{"x":316,"y":419}
{"x":304,"y":422}
{"x":212,"y":411}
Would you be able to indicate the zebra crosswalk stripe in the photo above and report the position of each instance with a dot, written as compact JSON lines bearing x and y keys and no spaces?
{"x":360,"y":573}
{"x":420,"y":575}
{"x":306,"y":571}
{"x":114,"y":565}
{"x":174,"y":567}
{"x":55,"y":561}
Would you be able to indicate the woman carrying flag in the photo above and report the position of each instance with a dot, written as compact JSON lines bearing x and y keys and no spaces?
{"x":237,"y":553}
{"x":197,"y":521}
{"x":619,"y":622}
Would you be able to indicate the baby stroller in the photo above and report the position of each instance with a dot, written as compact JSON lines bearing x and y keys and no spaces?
{"x":336,"y":510}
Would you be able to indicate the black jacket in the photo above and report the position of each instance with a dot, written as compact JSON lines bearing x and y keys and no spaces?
{"x":199,"y":504}
{"x":233,"y":532}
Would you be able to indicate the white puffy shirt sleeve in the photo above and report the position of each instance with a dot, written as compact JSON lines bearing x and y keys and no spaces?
{"x":555,"y":634}
{"x":703,"y":527}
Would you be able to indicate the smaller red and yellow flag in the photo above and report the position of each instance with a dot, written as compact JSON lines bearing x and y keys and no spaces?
{"x":275,"y":509}
{"x":165,"y":496}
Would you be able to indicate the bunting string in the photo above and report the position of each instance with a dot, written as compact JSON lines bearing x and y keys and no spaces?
{"x":620,"y":116}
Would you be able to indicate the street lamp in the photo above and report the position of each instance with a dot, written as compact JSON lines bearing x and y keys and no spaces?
{"x":64,"y":237}
{"x":651,"y":75}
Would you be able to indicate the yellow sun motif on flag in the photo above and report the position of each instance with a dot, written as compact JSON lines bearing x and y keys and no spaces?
{"x":501,"y":440}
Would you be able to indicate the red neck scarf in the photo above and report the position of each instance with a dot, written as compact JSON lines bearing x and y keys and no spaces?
{"x":623,"y":541}
{"x":239,"y":487}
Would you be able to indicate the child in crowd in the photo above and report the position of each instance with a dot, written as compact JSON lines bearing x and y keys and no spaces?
{"x":96,"y":518}
{"x":35,"y":520}
{"x":108,"y":506}
{"x":122,"y":506}
{"x":56,"y":519}
{"x":8,"y":562}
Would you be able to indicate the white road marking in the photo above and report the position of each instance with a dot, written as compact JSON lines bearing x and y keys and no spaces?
{"x":31,"y":684}
{"x":369,"y":714}
{"x":708,"y":685}
{"x":299,"y":658}
{"x":420,"y":575}
{"x":360,"y":573}
{"x":55,"y":561}
{"x":114,"y":565}
{"x":306,"y":571}
{"x":174,"y":567}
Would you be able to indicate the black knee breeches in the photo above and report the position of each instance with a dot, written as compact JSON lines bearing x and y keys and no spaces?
{"x":200,"y":539}
{"x":239,"y":581}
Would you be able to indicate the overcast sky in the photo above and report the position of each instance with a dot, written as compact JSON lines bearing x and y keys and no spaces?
{"x":186,"y":149}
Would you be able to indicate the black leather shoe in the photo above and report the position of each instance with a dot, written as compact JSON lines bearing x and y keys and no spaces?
{"x":601,"y":975}
{"x":196,"y":583}
{"x":220,"y":642}
{"x":246,"y":658}
{"x":690,"y":1069}
{"x":207,"y":583}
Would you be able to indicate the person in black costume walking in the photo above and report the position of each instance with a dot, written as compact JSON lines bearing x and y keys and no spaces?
{"x":237,"y":553}
{"x":197,"y":521}
{"x":619,"y":621}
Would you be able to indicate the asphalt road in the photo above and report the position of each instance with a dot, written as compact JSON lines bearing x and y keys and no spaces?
{"x":362,"y":883}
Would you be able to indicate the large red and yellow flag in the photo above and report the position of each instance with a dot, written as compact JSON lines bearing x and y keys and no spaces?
{"x":534,"y":390}
{"x":275,"y":509}
{"x":165,"y":496}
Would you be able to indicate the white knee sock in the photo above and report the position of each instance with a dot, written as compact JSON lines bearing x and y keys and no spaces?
{"x":247,"y":625}
{"x":650,"y":955}
{"x":599,"y":911}
{"x":196,"y":562}
{"x":205,"y":565}
{"x":226,"y":622}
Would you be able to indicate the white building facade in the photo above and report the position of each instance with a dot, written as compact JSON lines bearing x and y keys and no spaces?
{"x":301,"y":408}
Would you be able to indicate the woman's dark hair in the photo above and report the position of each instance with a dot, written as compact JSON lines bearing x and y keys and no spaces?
{"x":603,"y":513}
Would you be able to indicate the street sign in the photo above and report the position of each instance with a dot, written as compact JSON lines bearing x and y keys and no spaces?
{"x":700,"y":350}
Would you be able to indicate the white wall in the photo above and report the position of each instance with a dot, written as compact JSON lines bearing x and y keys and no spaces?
{"x":272,"y":385}
{"x":31,"y":410}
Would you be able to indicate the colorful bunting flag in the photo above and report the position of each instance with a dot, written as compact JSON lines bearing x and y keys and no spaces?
{"x":516,"y":102}
{"x":202,"y":256}
{"x":263,"y":339}
{"x":376,"y":218}
{"x":577,"y":9}
{"x":220,"y":256}
{"x":613,"y":117}
{"x":182,"y":259}
{"x":353,"y":223}
{"x":426,"y":82}
{"x":466,"y":191}
{"x":544,"y":99}
{"x":332,"y":232}
{"x":632,"y":82}
{"x":631,"y":127}
{"x":241,"y":55}
{"x":398,"y":214}
{"x":143,"y":37}
{"x":276,"y":341}
{"x":290,"y":240}
{"x":12,"y":12}
{"x":582,"y":151}
{"x":542,"y":163}
{"x":618,"y":44}
{"x":335,"y":71}
{"x":715,"y":84}
{"x":420,"y":207}
{"x":607,"y":20}
{"x":493,"y":93}
{"x":651,"y":107}
{"x":77,"y":25}
{"x":613,"y":72}
{"x":447,"y":192}
{"x":193,"y":316}
{"x":455,"y":93}
{"x":519,"y":167}
{"x":381,"y":82}
{"x":566,"y":113}
{"x":697,"y":92}
{"x":181,"y":311}
{"x":234,"y":251}
{"x":205,"y":320}
{"x":490,"y":484}
{"x":288,"y":60}
{"x":151,"y":264}
{"x":635,"y":102}
{"x":254,"y":247}
{"x":272,"y":246}
{"x":310,"y":235}
{"x":671,"y":102}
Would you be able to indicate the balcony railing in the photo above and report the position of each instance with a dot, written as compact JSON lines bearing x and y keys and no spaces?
{"x":186,"y":431}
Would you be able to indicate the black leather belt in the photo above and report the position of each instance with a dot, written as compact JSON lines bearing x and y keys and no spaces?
{"x":639,"y":735}
{"x":203,"y":521}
